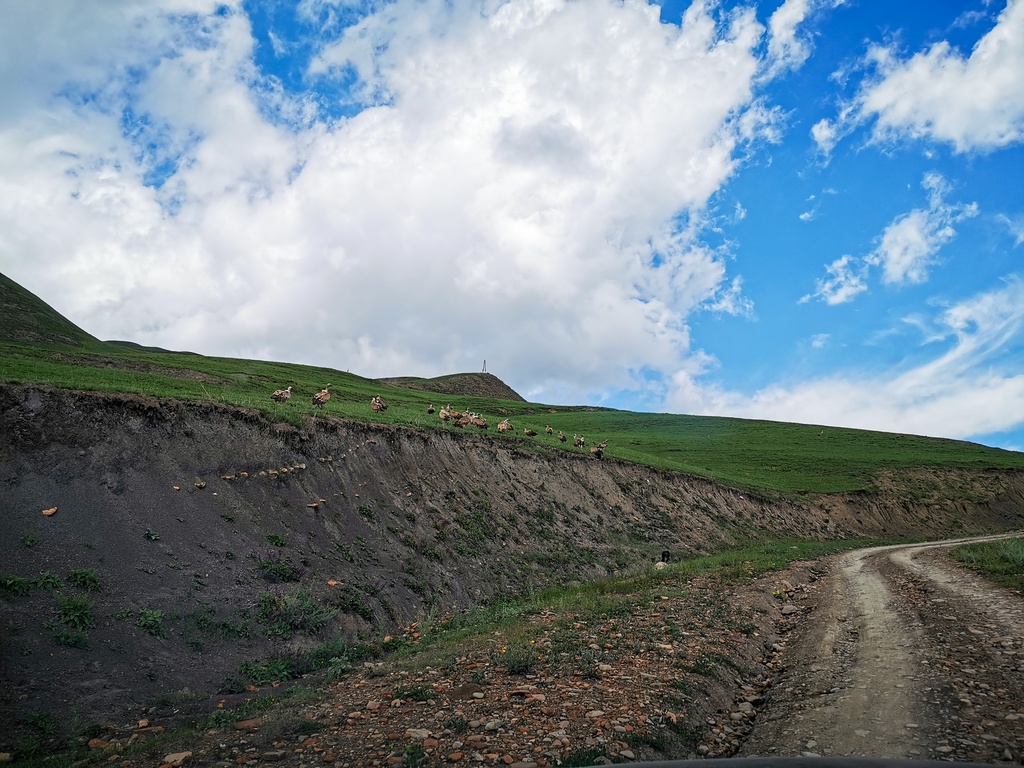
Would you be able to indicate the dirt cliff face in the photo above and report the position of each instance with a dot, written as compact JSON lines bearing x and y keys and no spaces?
{"x":219,"y":521}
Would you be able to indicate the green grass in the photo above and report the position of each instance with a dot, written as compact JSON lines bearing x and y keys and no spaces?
{"x":610,"y":596}
{"x":1002,"y":562}
{"x":761,"y":456}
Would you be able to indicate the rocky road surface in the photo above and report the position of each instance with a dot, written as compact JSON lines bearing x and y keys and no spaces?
{"x":897,"y":652}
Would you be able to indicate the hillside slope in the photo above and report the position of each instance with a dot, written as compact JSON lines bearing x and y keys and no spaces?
{"x":27,"y":319}
{"x":255,"y":539}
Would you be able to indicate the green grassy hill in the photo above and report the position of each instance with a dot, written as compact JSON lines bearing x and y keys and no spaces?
{"x":39,"y":347}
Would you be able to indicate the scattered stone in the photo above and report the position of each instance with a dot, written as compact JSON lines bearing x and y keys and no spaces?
{"x":176,"y":758}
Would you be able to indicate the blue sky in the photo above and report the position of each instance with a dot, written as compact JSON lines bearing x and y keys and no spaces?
{"x":798,"y":210}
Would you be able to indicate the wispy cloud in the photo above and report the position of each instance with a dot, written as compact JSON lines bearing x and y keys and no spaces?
{"x":973,"y":386}
{"x":907,"y":249}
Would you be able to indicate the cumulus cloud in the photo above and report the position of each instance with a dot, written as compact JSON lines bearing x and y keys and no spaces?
{"x":907,"y":248}
{"x":519,"y":182}
{"x":970,"y":386}
{"x":973,"y":102}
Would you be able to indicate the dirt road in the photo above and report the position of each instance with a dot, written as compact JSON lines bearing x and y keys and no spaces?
{"x":896,"y":652}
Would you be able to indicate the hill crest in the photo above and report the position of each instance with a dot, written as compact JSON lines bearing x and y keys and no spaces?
{"x":459,"y":385}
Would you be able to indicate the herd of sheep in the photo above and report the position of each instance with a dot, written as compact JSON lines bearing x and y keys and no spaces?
{"x":451,"y":416}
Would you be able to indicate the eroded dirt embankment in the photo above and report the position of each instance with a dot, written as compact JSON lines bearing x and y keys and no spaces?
{"x":213,"y":516}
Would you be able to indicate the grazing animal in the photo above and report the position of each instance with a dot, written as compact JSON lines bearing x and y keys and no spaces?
{"x":322,"y":396}
{"x":282,"y":395}
{"x":529,"y":432}
{"x":598,"y":450}
{"x":377,"y":404}
{"x":578,"y":440}
{"x":561,"y":437}
{"x":430,"y":408}
{"x":548,"y":430}
{"x":504,"y":426}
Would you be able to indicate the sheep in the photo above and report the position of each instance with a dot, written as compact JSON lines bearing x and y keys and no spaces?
{"x":322,"y":396}
{"x":282,"y":395}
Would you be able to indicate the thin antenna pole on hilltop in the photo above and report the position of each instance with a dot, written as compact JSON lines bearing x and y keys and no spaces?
{"x":485,"y":367}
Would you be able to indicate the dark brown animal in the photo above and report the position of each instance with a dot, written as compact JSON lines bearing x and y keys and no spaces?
{"x":282,"y":395}
{"x":529,"y":432}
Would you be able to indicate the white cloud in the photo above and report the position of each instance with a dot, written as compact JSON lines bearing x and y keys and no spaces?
{"x":907,"y":248}
{"x":1015,"y":226}
{"x":910,"y":243}
{"x":846,"y":279}
{"x":512,"y":193}
{"x":971,"y":388}
{"x":973,"y":102}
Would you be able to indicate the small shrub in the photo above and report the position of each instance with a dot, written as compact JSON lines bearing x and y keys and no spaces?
{"x":280,"y":668}
{"x":29,"y":539}
{"x":15,"y":586}
{"x":273,"y":568}
{"x":64,"y":636}
{"x":85,"y":578}
{"x":75,"y":611}
{"x":276,"y":539}
{"x":151,"y":621}
{"x":122,"y":614}
{"x":286,"y":614}
{"x":151,"y":535}
{"x":415,"y":692}
{"x":49,"y":581}
{"x":414,"y":756}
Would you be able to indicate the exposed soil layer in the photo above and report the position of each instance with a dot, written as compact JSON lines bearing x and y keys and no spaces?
{"x":192,"y":519}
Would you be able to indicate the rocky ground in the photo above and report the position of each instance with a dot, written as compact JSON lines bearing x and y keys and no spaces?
{"x":892,"y":652}
{"x":899,"y":653}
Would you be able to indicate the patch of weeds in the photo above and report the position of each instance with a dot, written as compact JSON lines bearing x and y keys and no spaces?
{"x":227,"y":518}
{"x":367,"y":512}
{"x":151,"y":621}
{"x":280,"y":668}
{"x":122,"y":614}
{"x":29,"y":539}
{"x":350,"y":600}
{"x":151,"y":535}
{"x":85,"y":578}
{"x":15,"y":586}
{"x":275,"y":569}
{"x":287,"y":614}
{"x":583,"y":757}
{"x":414,"y":756}
{"x":225,"y":717}
{"x":275,"y":539}
{"x":49,"y":581}
{"x":457,"y":724}
{"x":75,"y":611}
{"x":64,"y":636}
{"x":415,"y":692}
{"x":338,"y":655}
